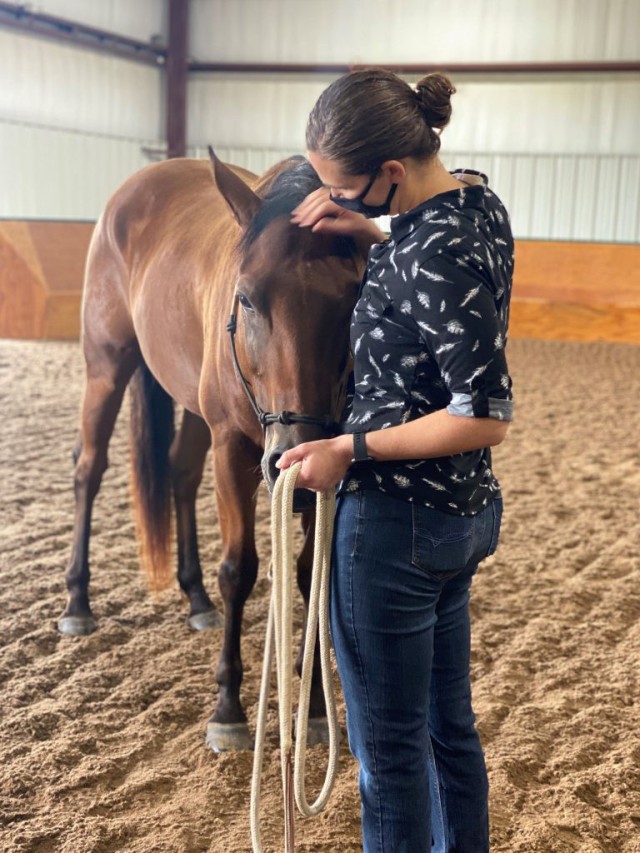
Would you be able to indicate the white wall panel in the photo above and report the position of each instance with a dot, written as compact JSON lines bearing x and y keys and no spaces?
{"x":137,"y":19}
{"x":564,"y":154}
{"x":251,"y":110}
{"x":549,"y":197}
{"x":422,"y":31}
{"x":57,"y":85}
{"x":53,"y":174}
{"x":555,"y":151}
{"x":564,"y":197}
{"x":596,"y":116}
{"x":256,"y":160}
{"x":628,"y":211}
{"x":592,"y":116}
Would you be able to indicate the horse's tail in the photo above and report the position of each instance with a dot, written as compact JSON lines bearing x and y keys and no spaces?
{"x":151,"y":433}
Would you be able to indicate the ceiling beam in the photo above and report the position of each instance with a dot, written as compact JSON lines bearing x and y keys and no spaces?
{"x":416,"y":68}
{"x":19,"y":18}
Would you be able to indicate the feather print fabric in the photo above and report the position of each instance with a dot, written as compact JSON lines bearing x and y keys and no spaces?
{"x":434,"y":337}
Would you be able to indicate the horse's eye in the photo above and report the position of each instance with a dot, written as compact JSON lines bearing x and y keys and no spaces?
{"x":242,"y":299}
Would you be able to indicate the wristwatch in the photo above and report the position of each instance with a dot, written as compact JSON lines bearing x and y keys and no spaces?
{"x":360,"y":453}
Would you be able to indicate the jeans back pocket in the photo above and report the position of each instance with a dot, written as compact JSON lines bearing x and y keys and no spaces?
{"x":445,"y":544}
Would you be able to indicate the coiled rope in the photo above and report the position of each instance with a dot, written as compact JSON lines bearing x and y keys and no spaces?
{"x":280,"y":629}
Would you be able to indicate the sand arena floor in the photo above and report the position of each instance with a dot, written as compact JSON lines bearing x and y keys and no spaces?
{"x":102,"y":738}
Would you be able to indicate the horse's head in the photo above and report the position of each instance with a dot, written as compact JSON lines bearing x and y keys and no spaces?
{"x":296,"y":291}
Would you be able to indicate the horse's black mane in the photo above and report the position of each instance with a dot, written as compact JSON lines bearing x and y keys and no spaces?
{"x":284,"y":194}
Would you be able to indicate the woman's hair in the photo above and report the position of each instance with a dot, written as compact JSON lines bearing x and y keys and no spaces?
{"x":369,"y":116}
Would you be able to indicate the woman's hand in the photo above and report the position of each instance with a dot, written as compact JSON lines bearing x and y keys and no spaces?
{"x":324,"y":462}
{"x":323,"y":216}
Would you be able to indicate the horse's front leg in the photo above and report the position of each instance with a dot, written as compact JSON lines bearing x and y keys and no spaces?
{"x":237,"y":476}
{"x":187,"y":456}
{"x":318,"y":728}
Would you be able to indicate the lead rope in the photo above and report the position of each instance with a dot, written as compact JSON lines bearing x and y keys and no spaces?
{"x":280,"y":630}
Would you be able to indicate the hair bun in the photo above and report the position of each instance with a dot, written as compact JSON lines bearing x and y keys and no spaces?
{"x":434,"y":97}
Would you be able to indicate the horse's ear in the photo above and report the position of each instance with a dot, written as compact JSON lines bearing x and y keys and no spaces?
{"x":242,"y":200}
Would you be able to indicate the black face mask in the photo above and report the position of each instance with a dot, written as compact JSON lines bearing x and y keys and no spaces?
{"x":369,"y":210}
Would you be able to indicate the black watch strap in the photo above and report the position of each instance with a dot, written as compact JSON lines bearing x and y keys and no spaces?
{"x":360,"y":453}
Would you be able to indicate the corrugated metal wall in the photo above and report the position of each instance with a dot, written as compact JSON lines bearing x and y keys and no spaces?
{"x":72,"y":126}
{"x":549,"y":197}
{"x":137,"y":19}
{"x":563,"y":154}
{"x":57,"y":174}
{"x":419,"y":31}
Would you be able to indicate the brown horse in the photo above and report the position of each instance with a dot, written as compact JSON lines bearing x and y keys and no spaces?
{"x":170,"y":255}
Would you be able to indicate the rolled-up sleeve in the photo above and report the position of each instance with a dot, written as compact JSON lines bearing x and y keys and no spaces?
{"x":459,"y":321}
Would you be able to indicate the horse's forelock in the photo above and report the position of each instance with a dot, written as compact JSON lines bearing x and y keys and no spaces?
{"x":281,"y":190}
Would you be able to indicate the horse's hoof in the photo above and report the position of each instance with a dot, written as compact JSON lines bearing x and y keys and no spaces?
{"x":77,"y":626}
{"x":225,"y":737}
{"x":317,"y":731}
{"x":206,"y":620}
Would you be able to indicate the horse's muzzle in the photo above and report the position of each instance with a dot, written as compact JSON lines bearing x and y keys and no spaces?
{"x":303,"y":499}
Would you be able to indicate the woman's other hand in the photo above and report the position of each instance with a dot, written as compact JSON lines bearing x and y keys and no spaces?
{"x":324,"y":462}
{"x":323,"y":216}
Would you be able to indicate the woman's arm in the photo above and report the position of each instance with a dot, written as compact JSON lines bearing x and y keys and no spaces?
{"x":325,"y":462}
{"x":437,"y":434}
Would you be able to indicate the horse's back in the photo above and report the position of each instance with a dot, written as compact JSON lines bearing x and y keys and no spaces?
{"x":171,"y":200}
{"x":159,"y":249}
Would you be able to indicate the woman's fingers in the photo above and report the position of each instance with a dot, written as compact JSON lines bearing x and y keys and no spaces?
{"x":324,"y":216}
{"x":324,"y":463}
{"x":313,"y":209}
{"x":298,"y":454}
{"x":289,"y":457}
{"x":307,"y":206}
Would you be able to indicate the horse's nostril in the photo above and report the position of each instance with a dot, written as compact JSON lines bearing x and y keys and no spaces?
{"x":273,"y":471}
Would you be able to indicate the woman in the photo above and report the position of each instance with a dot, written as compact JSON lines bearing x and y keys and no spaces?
{"x":418,"y":505}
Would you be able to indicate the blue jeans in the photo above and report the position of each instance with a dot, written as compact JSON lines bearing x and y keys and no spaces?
{"x":400,"y":583}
